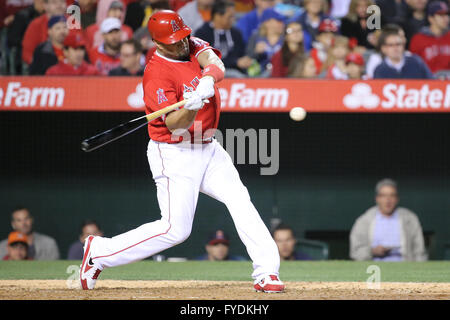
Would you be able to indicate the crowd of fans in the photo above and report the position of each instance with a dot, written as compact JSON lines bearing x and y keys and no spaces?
{"x":328,"y":39}
{"x":385,"y":232}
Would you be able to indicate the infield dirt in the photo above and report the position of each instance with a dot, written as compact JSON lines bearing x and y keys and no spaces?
{"x":218,"y":290}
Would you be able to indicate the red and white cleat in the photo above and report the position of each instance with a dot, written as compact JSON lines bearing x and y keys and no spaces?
{"x":270,"y":283}
{"x":89,"y":272}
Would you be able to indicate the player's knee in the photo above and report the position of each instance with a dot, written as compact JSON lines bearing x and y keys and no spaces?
{"x":179,"y":235}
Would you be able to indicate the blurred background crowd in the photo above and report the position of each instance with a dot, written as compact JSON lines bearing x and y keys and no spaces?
{"x":327,"y":39}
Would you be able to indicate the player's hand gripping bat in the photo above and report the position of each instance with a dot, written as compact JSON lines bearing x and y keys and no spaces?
{"x":123,"y":129}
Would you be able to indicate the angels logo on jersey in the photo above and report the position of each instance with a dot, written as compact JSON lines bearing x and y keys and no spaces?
{"x":194,"y":83}
{"x":161,"y":96}
{"x":175,"y":26}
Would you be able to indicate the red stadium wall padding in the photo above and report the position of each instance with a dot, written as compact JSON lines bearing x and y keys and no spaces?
{"x":237,"y":95}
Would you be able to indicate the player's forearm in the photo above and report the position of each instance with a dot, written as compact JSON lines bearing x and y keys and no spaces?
{"x":180,"y":119}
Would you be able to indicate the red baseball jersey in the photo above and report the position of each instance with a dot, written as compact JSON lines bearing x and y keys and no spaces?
{"x":166,"y":80}
{"x":435,"y":51}
{"x":103,"y":61}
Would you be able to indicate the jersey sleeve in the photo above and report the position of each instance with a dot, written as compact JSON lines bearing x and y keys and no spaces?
{"x":198,"y":45}
{"x":158,"y":94}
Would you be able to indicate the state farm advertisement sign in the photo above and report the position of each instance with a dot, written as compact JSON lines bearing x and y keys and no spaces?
{"x":237,"y":95}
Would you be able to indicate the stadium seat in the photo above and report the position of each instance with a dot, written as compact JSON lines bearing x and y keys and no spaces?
{"x":318,"y":250}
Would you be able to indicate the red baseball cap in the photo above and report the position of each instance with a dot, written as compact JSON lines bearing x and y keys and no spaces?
{"x":168,"y":27}
{"x":74,"y":39}
{"x":218,"y":237}
{"x":328,"y":25}
{"x":355,"y":58}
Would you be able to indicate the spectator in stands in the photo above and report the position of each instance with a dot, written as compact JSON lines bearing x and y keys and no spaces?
{"x":396,"y":64}
{"x":94,"y":36}
{"x":286,"y":241}
{"x":88,"y":227}
{"x":138,"y":13}
{"x":354,"y":25}
{"x":375,"y":57}
{"x":324,"y":41}
{"x":291,"y":54}
{"x":306,"y":70}
{"x":50,"y":52}
{"x":387,"y":232}
{"x":88,"y":12}
{"x":16,"y":30}
{"x":393,"y":11}
{"x":416,"y":18}
{"x":335,"y":67}
{"x":17,"y":247}
{"x":37,"y":32}
{"x":40,"y":246}
{"x":432,"y":44}
{"x":196,"y":13}
{"x":8,"y":10}
{"x":74,"y":55}
{"x":130,"y":60}
{"x":354,"y":66}
{"x":312,"y":18}
{"x":267,"y":40}
{"x":221,"y":34}
{"x":250,"y":21}
{"x":107,"y":56}
{"x":218,"y":248}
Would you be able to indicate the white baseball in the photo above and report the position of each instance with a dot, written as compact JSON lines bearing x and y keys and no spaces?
{"x":297,"y":114}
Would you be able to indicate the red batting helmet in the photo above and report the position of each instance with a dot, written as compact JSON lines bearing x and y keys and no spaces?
{"x":166,"y":26}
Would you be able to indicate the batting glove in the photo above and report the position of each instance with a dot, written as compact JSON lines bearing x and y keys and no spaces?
{"x":194,"y":101}
{"x":205,"y":87}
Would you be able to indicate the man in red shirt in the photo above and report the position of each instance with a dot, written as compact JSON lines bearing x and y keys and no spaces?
{"x":107,"y":56}
{"x":185,"y":160}
{"x":73,"y":63}
{"x":36,"y":32}
{"x":432,"y":44}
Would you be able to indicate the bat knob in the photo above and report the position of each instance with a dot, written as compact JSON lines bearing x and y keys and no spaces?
{"x":85,"y":146}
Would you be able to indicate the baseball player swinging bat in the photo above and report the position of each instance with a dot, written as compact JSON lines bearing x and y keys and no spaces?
{"x":183,"y":168}
{"x":124,"y":129}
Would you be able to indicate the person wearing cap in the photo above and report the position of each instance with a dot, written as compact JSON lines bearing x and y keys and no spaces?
{"x":93,"y":34}
{"x":250,"y":21}
{"x":396,"y":63}
{"x":324,"y":41}
{"x":36,"y":31}
{"x":40,"y":246}
{"x":73,"y":63}
{"x":218,"y":248}
{"x":355,"y":66}
{"x":432,"y":43}
{"x":50,"y":52}
{"x":267,"y":40}
{"x":107,"y":56}
{"x":196,"y":12}
{"x":17,"y":247}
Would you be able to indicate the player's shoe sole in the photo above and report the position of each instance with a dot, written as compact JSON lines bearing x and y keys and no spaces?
{"x":88,"y":271}
{"x":270,"y":284}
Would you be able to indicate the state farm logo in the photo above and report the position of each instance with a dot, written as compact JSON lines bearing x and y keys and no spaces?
{"x":397,"y":96}
{"x":361,"y":96}
{"x":20,"y":96}
{"x":136,"y":99}
{"x":242,"y":97}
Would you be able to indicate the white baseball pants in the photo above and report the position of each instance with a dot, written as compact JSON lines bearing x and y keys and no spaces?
{"x":181,"y":171}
